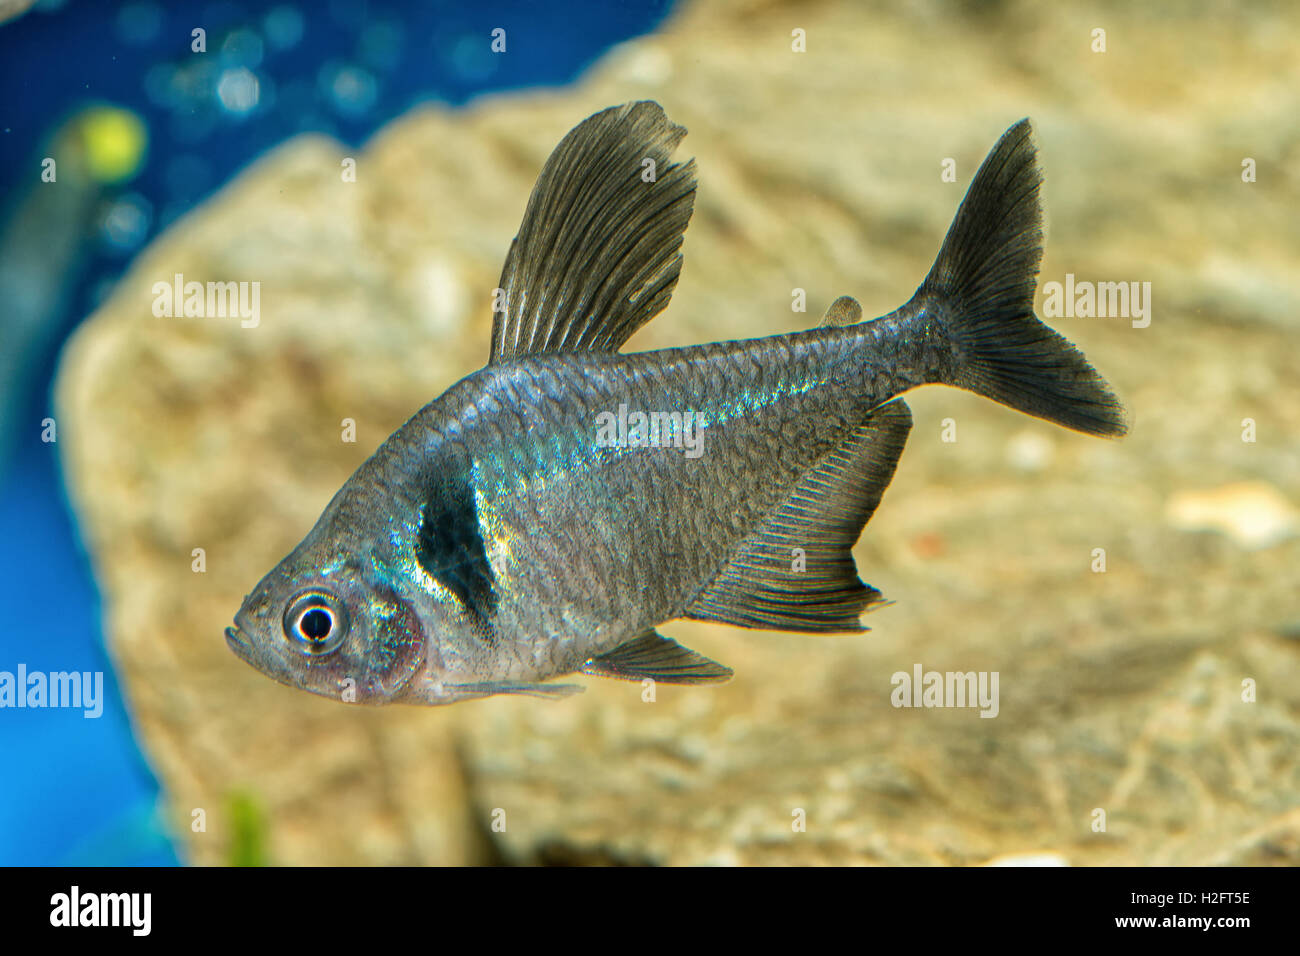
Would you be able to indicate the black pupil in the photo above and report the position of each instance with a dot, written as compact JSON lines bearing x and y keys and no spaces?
{"x":316,"y":624}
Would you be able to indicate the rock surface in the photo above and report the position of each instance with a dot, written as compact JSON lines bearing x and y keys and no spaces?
{"x":1164,"y":691}
{"x":13,"y":9}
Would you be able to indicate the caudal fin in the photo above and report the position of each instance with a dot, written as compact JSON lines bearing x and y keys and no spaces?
{"x":982,"y":287}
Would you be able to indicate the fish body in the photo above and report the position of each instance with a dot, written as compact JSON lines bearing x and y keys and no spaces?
{"x":548,"y":512}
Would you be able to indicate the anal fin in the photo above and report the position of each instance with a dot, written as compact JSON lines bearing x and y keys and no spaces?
{"x":796,"y":572}
{"x":651,"y":655}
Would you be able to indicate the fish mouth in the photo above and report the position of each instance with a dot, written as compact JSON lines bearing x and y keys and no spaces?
{"x":236,"y":642}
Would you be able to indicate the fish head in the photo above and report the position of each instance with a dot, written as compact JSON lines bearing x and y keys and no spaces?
{"x":341,"y":627}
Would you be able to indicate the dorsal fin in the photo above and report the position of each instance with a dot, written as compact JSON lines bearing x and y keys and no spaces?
{"x":597,"y":255}
{"x":845,"y":310}
{"x":763,"y":584}
{"x":659,"y":658}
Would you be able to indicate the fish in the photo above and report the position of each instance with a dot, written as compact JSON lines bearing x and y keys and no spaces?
{"x":546,"y":514}
{"x":46,"y":240}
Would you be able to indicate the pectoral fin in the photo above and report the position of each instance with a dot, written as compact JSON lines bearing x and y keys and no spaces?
{"x":651,"y":655}
{"x":487,"y":688}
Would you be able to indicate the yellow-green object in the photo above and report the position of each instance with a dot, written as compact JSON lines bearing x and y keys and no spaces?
{"x":115,"y":141}
{"x":247,"y":831}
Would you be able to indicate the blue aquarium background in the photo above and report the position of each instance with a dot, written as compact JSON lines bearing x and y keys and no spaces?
{"x":78,"y":791}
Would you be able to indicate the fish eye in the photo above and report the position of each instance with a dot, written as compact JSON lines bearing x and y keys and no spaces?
{"x":316,"y":622}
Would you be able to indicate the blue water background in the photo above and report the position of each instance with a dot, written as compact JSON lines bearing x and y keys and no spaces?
{"x":75,"y":790}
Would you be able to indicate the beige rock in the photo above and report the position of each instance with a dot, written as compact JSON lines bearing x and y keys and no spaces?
{"x":1158,"y":692}
{"x":1253,"y":514}
{"x":1029,"y":859}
